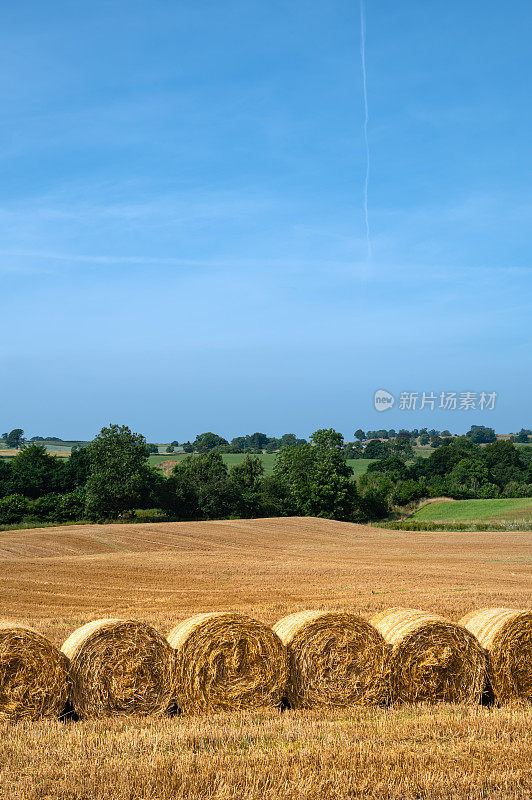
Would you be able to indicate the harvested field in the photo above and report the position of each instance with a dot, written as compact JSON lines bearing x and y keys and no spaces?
{"x":59,"y":578}
{"x":413,"y":753}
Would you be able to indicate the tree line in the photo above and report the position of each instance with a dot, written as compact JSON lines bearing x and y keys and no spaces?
{"x":111,"y":478}
{"x":261,"y":443}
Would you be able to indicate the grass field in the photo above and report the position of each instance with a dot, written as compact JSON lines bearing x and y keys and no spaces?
{"x":519,"y":509}
{"x":57,"y":578}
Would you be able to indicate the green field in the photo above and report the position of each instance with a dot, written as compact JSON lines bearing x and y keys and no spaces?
{"x":514,"y":508}
{"x":359,"y":465}
{"x":424,"y":452}
{"x":268,"y":459}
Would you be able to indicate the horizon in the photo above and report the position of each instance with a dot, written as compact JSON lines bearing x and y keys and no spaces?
{"x":183,"y":222}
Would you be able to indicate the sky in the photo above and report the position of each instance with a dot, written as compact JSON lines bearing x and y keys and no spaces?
{"x":182,"y":238}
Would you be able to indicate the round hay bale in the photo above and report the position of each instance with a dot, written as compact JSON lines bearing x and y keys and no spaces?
{"x":506,"y":634}
{"x":227,"y":661}
{"x":432,"y":658}
{"x":336,"y":659}
{"x":33,"y":675}
{"x":120,"y":667}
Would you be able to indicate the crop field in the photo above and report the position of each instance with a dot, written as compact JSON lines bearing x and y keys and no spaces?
{"x":7,"y":453}
{"x":59,"y":578}
{"x":498,"y":509}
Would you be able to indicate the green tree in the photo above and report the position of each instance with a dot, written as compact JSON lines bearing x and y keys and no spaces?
{"x":376,"y":449}
{"x":406,"y":492}
{"x":402,"y":448}
{"x":13,"y":508}
{"x":318,"y":480}
{"x":207,"y":441}
{"x":392,"y":466}
{"x":199,"y":488}
{"x":75,"y":470}
{"x":258,"y":441}
{"x":479,"y":434}
{"x":468,"y":475}
{"x":354,"y":450}
{"x":120,"y":477}
{"x":288,"y":440}
{"x":15,"y":440}
{"x":327,"y":439}
{"x":5,"y":477}
{"x":504,"y":462}
{"x":375,"y":490}
{"x":246,"y":481}
{"x":34,"y":472}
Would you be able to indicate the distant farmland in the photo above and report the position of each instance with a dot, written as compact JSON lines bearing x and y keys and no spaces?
{"x":359,"y":465}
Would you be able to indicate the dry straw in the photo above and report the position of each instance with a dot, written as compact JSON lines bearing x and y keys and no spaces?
{"x":119,"y":667}
{"x":33,"y":675}
{"x":336,"y":659}
{"x":227,"y":661}
{"x":432,"y":658}
{"x":507,"y":636}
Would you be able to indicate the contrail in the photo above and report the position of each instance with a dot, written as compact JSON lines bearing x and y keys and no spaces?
{"x":366,"y":117}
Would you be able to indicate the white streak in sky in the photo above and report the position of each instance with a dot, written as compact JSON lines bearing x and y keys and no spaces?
{"x":366,"y":117}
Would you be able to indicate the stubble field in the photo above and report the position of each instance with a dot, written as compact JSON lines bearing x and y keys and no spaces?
{"x":58,"y":578}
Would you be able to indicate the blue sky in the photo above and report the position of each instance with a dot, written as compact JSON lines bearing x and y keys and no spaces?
{"x":182,"y":242}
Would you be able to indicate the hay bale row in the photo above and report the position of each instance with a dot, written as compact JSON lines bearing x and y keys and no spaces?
{"x":230,"y":661}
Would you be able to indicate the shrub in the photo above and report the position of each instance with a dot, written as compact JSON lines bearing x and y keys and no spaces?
{"x":45,"y":508}
{"x":57,"y":507}
{"x":71,"y":506}
{"x":150,"y":515}
{"x":408,"y":491}
{"x":13,"y":508}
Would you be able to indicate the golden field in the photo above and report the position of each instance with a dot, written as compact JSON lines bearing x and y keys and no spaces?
{"x":57,"y":578}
